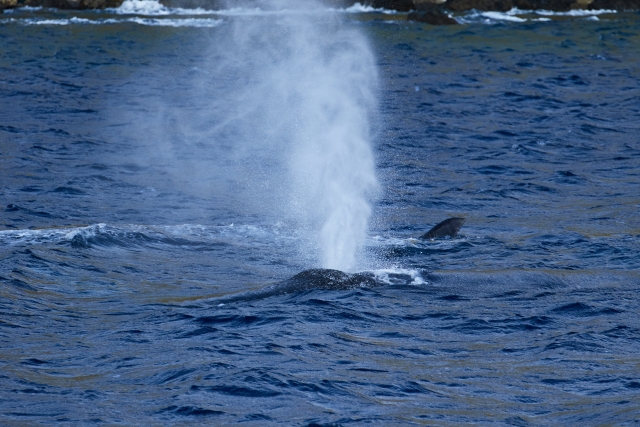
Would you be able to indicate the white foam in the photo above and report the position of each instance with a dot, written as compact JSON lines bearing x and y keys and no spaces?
{"x":394,"y":276}
{"x":239,"y":11}
{"x":501,"y":16}
{"x":520,"y":15}
{"x":577,"y":12}
{"x":165,"y":22}
{"x":24,"y":8}
{"x":359,"y":8}
{"x":185,"y":22}
{"x":155,"y":8}
{"x":73,"y":20}
{"x":142,"y":7}
{"x":85,"y":232}
{"x":45,"y":235}
{"x":477,"y":17}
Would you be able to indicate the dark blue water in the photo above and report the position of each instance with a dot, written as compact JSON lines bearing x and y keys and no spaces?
{"x":122,"y":228}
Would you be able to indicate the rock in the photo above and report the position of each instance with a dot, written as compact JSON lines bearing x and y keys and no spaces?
{"x":427,"y":4}
{"x":431,"y":12}
{"x":433,"y":17}
{"x":399,"y":5}
{"x":99,"y":4}
{"x":615,"y":4}
{"x":505,"y":5}
{"x":485,"y":5}
{"x":8,"y":4}
{"x":554,"y":5}
{"x":581,"y":4}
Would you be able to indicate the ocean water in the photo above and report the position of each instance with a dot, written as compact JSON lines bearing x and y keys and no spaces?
{"x":158,"y":164}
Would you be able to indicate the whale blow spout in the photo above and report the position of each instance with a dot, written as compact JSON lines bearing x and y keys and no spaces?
{"x":447,"y":228}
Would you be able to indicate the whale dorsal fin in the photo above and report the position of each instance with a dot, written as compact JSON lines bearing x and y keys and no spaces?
{"x":447,"y":228}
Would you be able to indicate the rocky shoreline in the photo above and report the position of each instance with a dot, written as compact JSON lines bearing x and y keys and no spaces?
{"x":436,"y":12}
{"x":61,"y":4}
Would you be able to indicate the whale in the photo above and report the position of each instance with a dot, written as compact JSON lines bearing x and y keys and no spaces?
{"x":447,"y":228}
{"x":312,"y":279}
{"x":330,"y":279}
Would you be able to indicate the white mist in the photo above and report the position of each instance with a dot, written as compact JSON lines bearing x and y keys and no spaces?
{"x":272,"y":122}
{"x":311,"y":90}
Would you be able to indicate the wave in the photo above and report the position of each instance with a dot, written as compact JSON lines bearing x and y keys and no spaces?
{"x":103,"y":235}
{"x":500,"y":16}
{"x":246,"y":234}
{"x":184,"y":22}
{"x":277,"y":230}
{"x":413,"y":242}
{"x":360,"y":8}
{"x":519,"y":15}
{"x":400,"y":276}
{"x":154,"y":8}
{"x":188,"y":22}
{"x":576,"y":12}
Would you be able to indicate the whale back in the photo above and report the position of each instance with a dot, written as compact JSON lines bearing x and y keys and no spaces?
{"x":322,"y":278}
{"x":315,"y":278}
{"x":447,"y":228}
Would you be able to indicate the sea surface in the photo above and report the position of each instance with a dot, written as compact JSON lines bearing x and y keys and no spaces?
{"x":131,"y":206}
